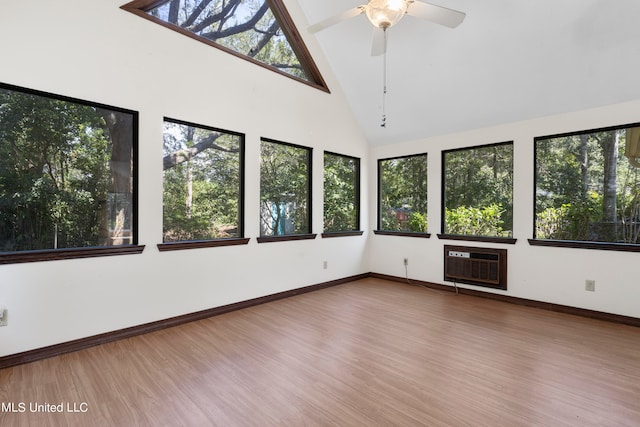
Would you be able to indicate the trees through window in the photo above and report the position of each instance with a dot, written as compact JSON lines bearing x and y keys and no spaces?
{"x":402,"y":194}
{"x":67,"y":172}
{"x":285,"y":189}
{"x":203,"y":182}
{"x":588,"y":186}
{"x":478,"y":191}
{"x":341,"y":193}
{"x":258,"y":30}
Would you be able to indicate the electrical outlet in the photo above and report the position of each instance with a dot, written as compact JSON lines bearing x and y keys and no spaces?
{"x":3,"y":316}
{"x":590,"y":285}
{"x":325,"y":264}
{"x":406,"y":261}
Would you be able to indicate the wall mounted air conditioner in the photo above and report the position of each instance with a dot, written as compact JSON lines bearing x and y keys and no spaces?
{"x":476,"y":266}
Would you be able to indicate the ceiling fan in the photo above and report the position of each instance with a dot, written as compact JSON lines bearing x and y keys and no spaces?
{"x":383,"y":14}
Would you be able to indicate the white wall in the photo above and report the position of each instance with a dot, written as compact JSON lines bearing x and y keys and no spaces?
{"x":95,"y":51}
{"x":548,"y":274}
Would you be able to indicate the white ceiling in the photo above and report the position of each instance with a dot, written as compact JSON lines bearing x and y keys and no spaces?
{"x":509,"y":60}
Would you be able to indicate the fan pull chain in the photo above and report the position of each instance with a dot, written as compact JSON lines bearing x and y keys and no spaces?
{"x":384,"y":81}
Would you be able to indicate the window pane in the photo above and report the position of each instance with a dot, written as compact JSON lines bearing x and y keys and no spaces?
{"x":588,"y":186}
{"x":285,"y":183}
{"x":66,"y":172}
{"x":247,"y":27}
{"x":478,"y":191}
{"x":202,"y":182}
{"x":402,"y":198}
{"x":341,"y":193}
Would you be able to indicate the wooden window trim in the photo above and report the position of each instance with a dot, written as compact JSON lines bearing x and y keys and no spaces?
{"x":72,"y":253}
{"x":330,"y":234}
{"x":286,"y":238}
{"x":401,"y":233}
{"x":486,"y":239}
{"x":199,"y":244}
{"x":140,"y":8}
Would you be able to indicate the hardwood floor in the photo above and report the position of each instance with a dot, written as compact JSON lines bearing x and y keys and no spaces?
{"x":366,"y":353}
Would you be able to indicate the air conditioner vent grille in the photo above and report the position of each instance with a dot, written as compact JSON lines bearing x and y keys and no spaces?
{"x":476,"y":266}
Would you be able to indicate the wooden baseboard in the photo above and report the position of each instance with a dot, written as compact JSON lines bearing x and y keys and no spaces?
{"x":82,"y":343}
{"x":609,"y":317}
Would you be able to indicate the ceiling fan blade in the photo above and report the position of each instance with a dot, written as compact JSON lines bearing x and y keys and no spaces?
{"x":378,"y":45}
{"x":336,"y":19}
{"x":438,"y":14}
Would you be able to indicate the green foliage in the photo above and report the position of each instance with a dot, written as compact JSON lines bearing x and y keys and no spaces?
{"x":586,"y":189}
{"x":472,"y":221}
{"x":201,"y":195}
{"x":569,"y":221}
{"x":54,"y":173}
{"x":552,"y":223}
{"x":340,"y":193}
{"x":403,"y":193}
{"x":418,"y":223}
{"x":479,"y":182}
{"x":284,"y":189}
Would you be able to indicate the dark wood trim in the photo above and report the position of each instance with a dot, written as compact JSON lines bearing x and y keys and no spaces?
{"x":604,"y":246}
{"x":399,"y":279}
{"x":298,"y":45}
{"x":198,"y":244}
{"x":576,"y":311}
{"x":139,"y":8}
{"x":486,"y":239}
{"x":83,"y":343}
{"x":402,"y":233}
{"x":328,"y":234}
{"x":285,"y":238}
{"x":73,"y":253}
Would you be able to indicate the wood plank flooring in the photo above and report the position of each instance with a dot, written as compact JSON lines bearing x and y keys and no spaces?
{"x":366,"y":353}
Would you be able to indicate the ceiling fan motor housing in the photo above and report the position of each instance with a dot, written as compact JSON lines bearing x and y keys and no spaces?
{"x":386,"y":13}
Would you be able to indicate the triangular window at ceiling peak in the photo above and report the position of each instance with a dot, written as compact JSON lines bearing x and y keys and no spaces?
{"x":260,"y":31}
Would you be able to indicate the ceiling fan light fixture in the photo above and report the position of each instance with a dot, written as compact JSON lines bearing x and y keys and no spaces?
{"x":386,"y":13}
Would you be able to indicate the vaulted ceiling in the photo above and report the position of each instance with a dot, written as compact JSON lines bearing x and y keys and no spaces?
{"x":509,"y":60}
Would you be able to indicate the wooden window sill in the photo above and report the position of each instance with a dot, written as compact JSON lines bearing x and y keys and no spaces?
{"x":72,"y":253}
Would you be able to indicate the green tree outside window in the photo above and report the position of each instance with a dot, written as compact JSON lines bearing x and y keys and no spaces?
{"x":402,"y":194}
{"x":341,"y":193}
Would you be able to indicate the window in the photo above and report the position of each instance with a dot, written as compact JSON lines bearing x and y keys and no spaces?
{"x":285,"y":191}
{"x":478,"y":191}
{"x":341,"y":194}
{"x":203,"y":183}
{"x":402,"y":195}
{"x":587,"y":186}
{"x":67,"y":176}
{"x":260,"y":31}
